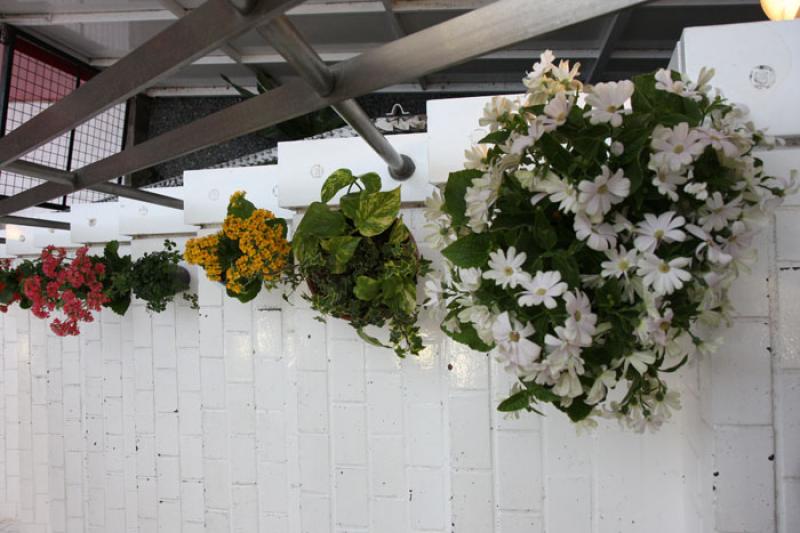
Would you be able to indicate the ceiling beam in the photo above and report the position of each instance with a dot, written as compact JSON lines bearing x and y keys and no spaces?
{"x":449,"y":43}
{"x":614,"y":29}
{"x":185,"y":40}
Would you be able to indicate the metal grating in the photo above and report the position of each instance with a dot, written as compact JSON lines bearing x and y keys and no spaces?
{"x":37,"y":79}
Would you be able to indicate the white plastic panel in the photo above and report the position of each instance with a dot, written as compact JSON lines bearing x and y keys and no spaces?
{"x":757,"y":64}
{"x":96,"y":223}
{"x":141,"y":218}
{"x":208,"y":191}
{"x":27,"y":240}
{"x":452,"y":128}
{"x":304,"y":166}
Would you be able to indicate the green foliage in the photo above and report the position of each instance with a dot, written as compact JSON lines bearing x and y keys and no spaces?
{"x":360,"y":262}
{"x":117,"y":281}
{"x":156,"y":277}
{"x":469,"y":251}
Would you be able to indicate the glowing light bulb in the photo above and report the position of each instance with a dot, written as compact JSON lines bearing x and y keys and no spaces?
{"x":781,"y":9}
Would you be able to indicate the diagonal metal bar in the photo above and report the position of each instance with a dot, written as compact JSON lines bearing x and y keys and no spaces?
{"x":454,"y":41}
{"x":190,"y":37}
{"x":68,"y":179}
{"x":34,"y":222}
{"x":282,"y":34}
{"x":611,"y":34}
{"x":399,"y":31}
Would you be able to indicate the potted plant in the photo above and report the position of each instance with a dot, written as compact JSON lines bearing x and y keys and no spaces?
{"x":360,"y":261}
{"x":591,"y":246}
{"x":156,"y":277}
{"x":251,"y":251}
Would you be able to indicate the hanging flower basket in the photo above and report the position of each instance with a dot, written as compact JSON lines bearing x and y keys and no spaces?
{"x":591,"y":246}
{"x":360,"y":262}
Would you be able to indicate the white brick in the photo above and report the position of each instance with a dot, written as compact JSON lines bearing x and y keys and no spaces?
{"x":270,"y":383}
{"x":749,"y":295}
{"x":473,"y":505}
{"x":347,"y":370}
{"x":467,"y":369}
{"x":349,"y":434}
{"x":312,"y":403}
{"x":516,"y":522}
{"x":143,"y":359}
{"x":166,"y":384}
{"x":385,"y":402}
{"x":189,"y":369}
{"x":273,"y":487}
{"x":352,"y":497}
{"x":169,"y":516}
{"x":268,"y":339}
{"x":381,"y":359}
{"x":244,"y":508}
{"x":309,"y":341}
{"x":789,"y":306}
{"x":212,"y":372}
{"x":243,"y":459}
{"x":238,"y":358}
{"x":192,"y":501}
{"x":237,"y":316}
{"x":217,"y":521}
{"x":146,"y":455}
{"x":470,"y":445}
{"x":424,"y":434}
{"x":387,"y":466}
{"x":275,"y":523}
{"x":742,"y":375}
{"x":569,"y":504}
{"x":191,"y":457}
{"x":315,"y":512}
{"x":271,"y":436}
{"x":426,"y":497}
{"x":167,"y":433}
{"x":788,"y":421}
{"x":218,"y":484}
{"x":519,"y":470}
{"x":314,"y":463}
{"x":190,"y":413}
{"x":389,"y":516}
{"x":241,"y":409}
{"x":789,"y":489}
{"x":568,"y":454}
{"x":421,"y":376}
{"x":211,"y":336}
{"x":169,"y":478}
{"x":788,"y":245}
{"x":215,"y":434}
{"x":742,"y":460}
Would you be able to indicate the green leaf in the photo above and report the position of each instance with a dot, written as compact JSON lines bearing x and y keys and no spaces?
{"x":496,"y":137}
{"x":515,"y":402}
{"x":241,"y":207}
{"x":544,"y":234}
{"x":304,"y":247}
{"x":371,"y":181}
{"x":568,"y":266}
{"x":249,"y":291}
{"x":454,"y":192}
{"x":341,"y":250}
{"x":336,"y":182}
{"x":468,"y":336}
{"x":469,"y":251}
{"x":369,"y":339}
{"x":376,"y":211}
{"x":349,"y":204}
{"x":367,"y":288}
{"x":558,"y":156}
{"x":400,"y":233}
{"x":322,"y":221}
{"x":120,"y":304}
{"x":400,"y":294}
{"x":578,"y":410}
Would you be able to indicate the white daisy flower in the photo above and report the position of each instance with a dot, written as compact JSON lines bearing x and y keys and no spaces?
{"x":599,"y":237}
{"x":605,"y":381}
{"x":640,"y":361}
{"x":654,"y":230}
{"x":657,"y":326}
{"x":597,"y":197}
{"x":434,"y":204}
{"x":512,"y":345}
{"x":739,"y":243}
{"x":505,"y":268}
{"x":581,"y":322}
{"x":434,"y":291}
{"x":475,"y":156}
{"x":665,"y":277}
{"x":495,"y":110}
{"x":557,"y":110}
{"x":719,"y":141}
{"x":716,"y":214}
{"x":676,"y":147}
{"x":543,"y":289}
{"x":666,"y":180}
{"x":607,"y":101}
{"x":561,"y":192}
{"x":698,"y":190}
{"x":568,"y":385}
{"x":620,"y":262}
{"x":469,"y":279}
{"x":545,"y":64}
{"x":439,"y":234}
{"x":713,"y":251}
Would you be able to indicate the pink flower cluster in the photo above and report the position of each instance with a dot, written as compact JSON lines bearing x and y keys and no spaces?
{"x":73,"y":287}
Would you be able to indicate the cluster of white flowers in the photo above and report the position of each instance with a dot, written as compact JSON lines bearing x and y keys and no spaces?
{"x":669,"y":240}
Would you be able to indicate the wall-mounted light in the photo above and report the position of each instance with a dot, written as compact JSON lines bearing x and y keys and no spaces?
{"x":781,"y":9}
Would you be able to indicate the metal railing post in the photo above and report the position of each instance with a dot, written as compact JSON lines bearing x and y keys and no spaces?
{"x":285,"y":38}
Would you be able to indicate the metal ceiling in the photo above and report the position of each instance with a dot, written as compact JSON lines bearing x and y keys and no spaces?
{"x":640,"y":39}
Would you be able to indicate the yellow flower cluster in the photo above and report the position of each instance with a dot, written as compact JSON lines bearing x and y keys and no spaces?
{"x":263,"y":250}
{"x":203,"y":251}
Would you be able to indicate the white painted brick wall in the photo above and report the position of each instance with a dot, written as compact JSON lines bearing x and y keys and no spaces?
{"x":256,"y":417}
